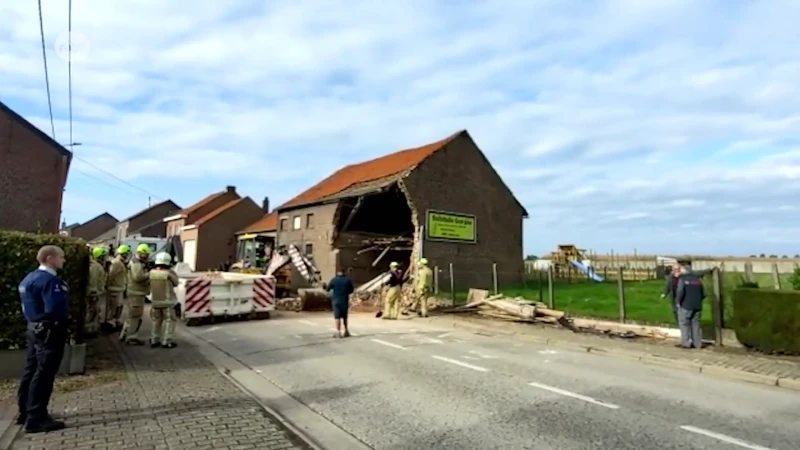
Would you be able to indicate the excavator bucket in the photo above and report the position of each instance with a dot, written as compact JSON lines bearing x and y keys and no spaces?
{"x":314,"y":299}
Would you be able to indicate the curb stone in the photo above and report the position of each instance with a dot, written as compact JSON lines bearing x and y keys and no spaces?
{"x":646,"y":358}
{"x":740,"y":375}
{"x":789,"y":383}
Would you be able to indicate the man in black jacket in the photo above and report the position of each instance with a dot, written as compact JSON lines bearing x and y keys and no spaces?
{"x":689,"y":297}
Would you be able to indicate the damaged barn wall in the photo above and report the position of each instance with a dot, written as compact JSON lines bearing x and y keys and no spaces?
{"x":360,"y":267}
{"x":319,"y":235}
{"x":458,"y":179}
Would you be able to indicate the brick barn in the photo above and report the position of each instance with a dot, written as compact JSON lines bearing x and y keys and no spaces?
{"x":33,"y":174}
{"x":443,"y":201}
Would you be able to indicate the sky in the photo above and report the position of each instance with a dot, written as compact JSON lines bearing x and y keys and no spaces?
{"x":661,"y":126}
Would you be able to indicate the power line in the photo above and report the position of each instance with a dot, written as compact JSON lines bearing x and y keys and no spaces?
{"x":69,"y":65}
{"x":117,"y":178}
{"x":46,"y":76}
{"x":92,"y":177}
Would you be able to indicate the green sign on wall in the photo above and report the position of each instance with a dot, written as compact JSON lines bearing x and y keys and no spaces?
{"x":451,"y":227}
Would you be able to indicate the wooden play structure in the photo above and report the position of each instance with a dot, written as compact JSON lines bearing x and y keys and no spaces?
{"x":568,"y":262}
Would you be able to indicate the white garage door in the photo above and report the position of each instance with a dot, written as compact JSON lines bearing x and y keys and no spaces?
{"x":190,"y":253}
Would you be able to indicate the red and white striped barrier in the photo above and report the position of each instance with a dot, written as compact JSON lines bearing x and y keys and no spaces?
{"x":263,"y":293}
{"x":198,"y":297}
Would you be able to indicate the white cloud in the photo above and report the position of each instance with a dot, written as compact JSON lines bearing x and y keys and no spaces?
{"x":665,"y":126}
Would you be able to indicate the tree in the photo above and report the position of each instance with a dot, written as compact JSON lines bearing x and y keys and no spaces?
{"x":531,"y":258}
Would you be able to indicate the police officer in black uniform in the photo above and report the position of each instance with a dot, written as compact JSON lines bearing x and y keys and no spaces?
{"x":44,"y":299}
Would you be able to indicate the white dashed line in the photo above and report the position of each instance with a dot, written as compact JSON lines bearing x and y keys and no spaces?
{"x":444,"y":335}
{"x":573,"y":395}
{"x":308,"y":322}
{"x":723,"y":438}
{"x":389,"y":344}
{"x":460,"y":363}
{"x":432,"y":340}
{"x":297,"y":336}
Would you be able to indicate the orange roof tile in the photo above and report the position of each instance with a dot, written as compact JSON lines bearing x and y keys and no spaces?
{"x":267,"y":223}
{"x":368,"y":171}
{"x":219,"y":211}
{"x":201,"y":203}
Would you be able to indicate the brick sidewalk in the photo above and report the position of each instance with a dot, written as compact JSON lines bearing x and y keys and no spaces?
{"x":172,"y":399}
{"x":783,"y":371}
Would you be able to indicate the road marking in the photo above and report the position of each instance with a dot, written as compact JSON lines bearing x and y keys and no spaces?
{"x":297,"y":336}
{"x":547,"y":352}
{"x":389,"y":344}
{"x":474,"y":358}
{"x":460,"y":363}
{"x":573,"y":395}
{"x":308,"y":322}
{"x":432,"y":340}
{"x":723,"y":438}
{"x":212,"y":329}
{"x":445,"y":334}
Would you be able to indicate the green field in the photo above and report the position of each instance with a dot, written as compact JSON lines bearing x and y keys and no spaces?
{"x":642,"y":298}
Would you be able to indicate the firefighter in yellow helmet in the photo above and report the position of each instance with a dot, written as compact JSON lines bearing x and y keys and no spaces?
{"x":391,"y":305}
{"x":138,"y":289}
{"x":96,"y":291}
{"x":163,"y":281}
{"x":117,"y":281}
{"x":422,"y":289}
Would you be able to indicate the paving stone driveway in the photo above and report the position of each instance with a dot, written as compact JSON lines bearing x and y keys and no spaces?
{"x":172,"y":399}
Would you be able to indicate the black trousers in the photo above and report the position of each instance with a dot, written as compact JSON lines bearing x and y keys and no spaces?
{"x":44,"y":354}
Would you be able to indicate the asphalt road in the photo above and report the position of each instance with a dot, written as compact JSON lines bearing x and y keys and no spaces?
{"x":408,"y":385}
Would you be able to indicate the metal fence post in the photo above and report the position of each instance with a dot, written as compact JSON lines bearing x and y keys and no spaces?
{"x":621,"y":295}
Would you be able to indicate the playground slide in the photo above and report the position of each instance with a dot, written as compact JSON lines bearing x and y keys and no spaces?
{"x":588,"y":271}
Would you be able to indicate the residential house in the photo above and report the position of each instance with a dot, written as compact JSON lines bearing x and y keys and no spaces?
{"x":91,"y":228}
{"x":148,"y":222}
{"x":443,"y":201}
{"x":207,"y":228}
{"x":33,"y":174}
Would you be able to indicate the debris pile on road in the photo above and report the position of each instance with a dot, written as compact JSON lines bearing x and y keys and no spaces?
{"x":518,"y":309}
{"x":514,"y":309}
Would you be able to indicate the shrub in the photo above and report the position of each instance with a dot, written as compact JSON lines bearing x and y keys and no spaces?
{"x":17,"y":258}
{"x":794,"y":278}
{"x":767,"y":319}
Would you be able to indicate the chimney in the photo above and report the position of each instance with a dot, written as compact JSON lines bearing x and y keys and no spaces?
{"x":230,"y":188}
{"x":265,"y":205}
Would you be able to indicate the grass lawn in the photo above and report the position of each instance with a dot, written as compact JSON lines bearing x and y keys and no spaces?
{"x":642,"y":298}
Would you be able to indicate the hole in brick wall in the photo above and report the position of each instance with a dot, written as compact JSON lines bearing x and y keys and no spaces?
{"x":381,"y":219}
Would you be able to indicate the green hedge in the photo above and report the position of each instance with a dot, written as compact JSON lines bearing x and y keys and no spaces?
{"x":767,"y":320}
{"x":17,"y":258}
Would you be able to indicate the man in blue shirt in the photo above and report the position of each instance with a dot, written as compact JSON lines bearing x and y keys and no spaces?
{"x":340,"y":289}
{"x":44,"y":299}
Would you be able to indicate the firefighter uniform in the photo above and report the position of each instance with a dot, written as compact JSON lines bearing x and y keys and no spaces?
{"x":138,"y":289}
{"x":96,"y":291}
{"x":391,"y":304}
{"x":423,"y":288}
{"x":117,"y":281}
{"x":163,"y":282}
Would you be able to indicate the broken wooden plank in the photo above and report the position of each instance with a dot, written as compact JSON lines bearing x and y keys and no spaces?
{"x":383,"y":253}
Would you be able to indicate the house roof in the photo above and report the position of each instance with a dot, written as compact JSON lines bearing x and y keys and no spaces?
{"x":218,"y":211}
{"x":105,"y":214}
{"x":188,"y":210}
{"x":149,"y":208}
{"x":267,"y":223}
{"x":107,"y":235}
{"x":375,"y":169}
{"x":55,"y":146}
